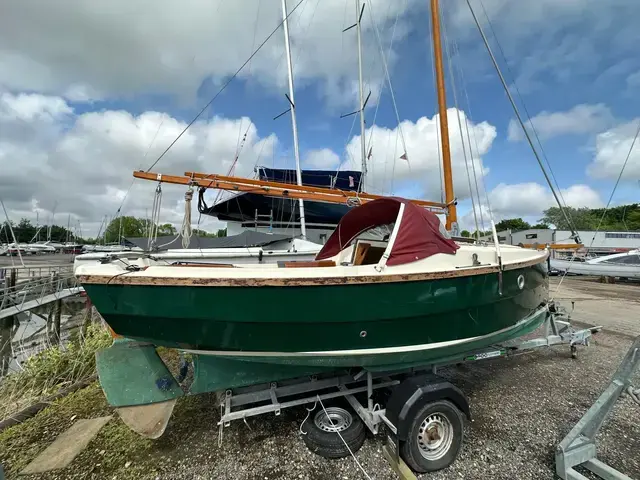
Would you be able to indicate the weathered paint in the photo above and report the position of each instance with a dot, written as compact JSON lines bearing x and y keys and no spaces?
{"x":129,"y":278}
{"x":322,"y":317}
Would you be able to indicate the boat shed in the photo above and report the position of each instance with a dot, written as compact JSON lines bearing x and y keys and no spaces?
{"x":599,"y":242}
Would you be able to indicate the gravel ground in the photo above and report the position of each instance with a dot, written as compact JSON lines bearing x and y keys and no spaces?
{"x":31,"y":260}
{"x":521,"y":407}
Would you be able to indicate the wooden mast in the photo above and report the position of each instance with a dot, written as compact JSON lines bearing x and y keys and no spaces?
{"x":452,"y":217}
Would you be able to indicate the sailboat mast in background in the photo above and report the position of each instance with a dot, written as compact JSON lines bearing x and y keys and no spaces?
{"x":294,"y":123}
{"x":452,"y":216}
{"x":363,"y":148}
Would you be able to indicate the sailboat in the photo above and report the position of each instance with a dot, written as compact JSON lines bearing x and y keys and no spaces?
{"x":410,"y":298}
{"x":624,"y":265}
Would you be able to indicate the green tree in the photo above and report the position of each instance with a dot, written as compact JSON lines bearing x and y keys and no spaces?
{"x":125,"y":226}
{"x":623,"y":217}
{"x":167,"y":229}
{"x":24,"y":231}
{"x":222,"y":232}
{"x":513,"y":224}
{"x":465,"y":233}
{"x":202,"y":233}
{"x":543,"y":226}
{"x":581,"y":218}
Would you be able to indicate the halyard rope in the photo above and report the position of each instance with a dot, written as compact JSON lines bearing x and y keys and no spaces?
{"x":155,"y":217}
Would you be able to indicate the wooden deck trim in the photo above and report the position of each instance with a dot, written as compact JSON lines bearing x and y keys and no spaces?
{"x":127,"y":279}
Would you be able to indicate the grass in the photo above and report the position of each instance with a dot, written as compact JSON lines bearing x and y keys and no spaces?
{"x":116,"y":452}
{"x":47,"y":372}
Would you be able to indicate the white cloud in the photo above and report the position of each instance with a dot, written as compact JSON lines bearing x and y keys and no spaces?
{"x":611,"y":150}
{"x":525,"y":200}
{"x":28,"y":107}
{"x":85,"y":168}
{"x":579,"y":196}
{"x":87,"y":51}
{"x":531,"y":199}
{"x":390,"y":174}
{"x":323,"y":159}
{"x":580,"y":119}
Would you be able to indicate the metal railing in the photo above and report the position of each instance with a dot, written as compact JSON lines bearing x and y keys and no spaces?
{"x":34,"y":286}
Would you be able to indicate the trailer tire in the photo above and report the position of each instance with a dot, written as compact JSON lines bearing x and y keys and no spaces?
{"x":424,"y":454}
{"x":322,"y":438}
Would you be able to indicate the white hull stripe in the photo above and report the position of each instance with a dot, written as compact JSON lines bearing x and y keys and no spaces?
{"x":364,"y":351}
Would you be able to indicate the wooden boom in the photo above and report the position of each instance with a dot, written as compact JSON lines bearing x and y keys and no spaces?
{"x":273,"y":189}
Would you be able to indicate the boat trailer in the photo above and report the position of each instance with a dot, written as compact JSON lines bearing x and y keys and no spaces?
{"x":578,"y":448}
{"x":424,"y":414}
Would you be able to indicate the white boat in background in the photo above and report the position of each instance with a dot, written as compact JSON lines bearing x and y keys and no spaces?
{"x":106,"y":248}
{"x":13,"y":249}
{"x":624,"y":265}
{"x":281,"y":250}
{"x":39,"y":248}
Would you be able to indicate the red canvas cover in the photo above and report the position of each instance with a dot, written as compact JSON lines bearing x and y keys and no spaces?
{"x":419,"y":235}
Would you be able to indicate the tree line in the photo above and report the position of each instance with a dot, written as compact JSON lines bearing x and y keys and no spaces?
{"x":26,"y":232}
{"x":622,"y":218}
{"x":133,"y":227}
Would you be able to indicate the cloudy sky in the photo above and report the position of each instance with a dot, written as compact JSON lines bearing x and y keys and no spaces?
{"x":90,"y":91}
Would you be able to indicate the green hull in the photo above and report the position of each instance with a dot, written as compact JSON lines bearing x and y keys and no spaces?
{"x":133,"y":374}
{"x":213,"y":373}
{"x":368,"y":322}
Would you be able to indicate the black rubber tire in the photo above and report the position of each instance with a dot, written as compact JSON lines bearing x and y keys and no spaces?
{"x":329,"y":444}
{"x":410,"y":450}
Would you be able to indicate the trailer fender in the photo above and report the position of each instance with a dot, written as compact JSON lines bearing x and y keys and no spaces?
{"x":414,"y":392}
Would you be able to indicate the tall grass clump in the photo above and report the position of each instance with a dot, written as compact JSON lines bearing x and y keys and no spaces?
{"x":47,"y":372}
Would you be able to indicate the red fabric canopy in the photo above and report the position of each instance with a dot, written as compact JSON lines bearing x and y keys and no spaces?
{"x":419,"y":235}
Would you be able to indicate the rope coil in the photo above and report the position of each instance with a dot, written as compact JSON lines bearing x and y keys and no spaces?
{"x":186,"y":232}
{"x":155,"y":217}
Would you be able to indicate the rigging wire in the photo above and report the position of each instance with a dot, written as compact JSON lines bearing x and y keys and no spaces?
{"x":519,"y":117}
{"x":375,"y":112}
{"x":375,"y":115}
{"x":624,"y":165}
{"x":146,"y":153}
{"x":526,"y":110}
{"x":468,"y":115}
{"x":253,"y":45}
{"x":455,"y":100}
{"x":387,"y":76}
{"x":224,"y":86}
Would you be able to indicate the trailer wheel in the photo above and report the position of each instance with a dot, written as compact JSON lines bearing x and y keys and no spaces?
{"x":435,"y":437}
{"x":322,"y":432}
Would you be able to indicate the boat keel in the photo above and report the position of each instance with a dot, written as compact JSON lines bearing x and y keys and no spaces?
{"x":131,"y":373}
